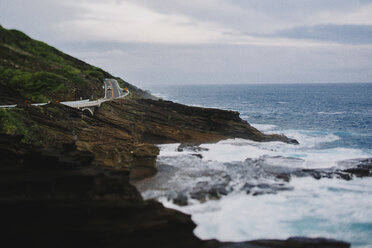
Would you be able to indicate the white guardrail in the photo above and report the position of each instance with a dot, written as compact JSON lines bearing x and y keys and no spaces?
{"x":80,"y":103}
{"x":8,"y":106}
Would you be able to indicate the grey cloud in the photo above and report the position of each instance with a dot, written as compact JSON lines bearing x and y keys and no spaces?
{"x":348,"y":34}
{"x":147,"y":64}
{"x":38,"y":18}
{"x":214,"y":64}
{"x":296,"y":7}
{"x":254,"y":15}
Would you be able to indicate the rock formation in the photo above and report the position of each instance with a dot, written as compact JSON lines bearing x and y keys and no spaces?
{"x":66,"y":179}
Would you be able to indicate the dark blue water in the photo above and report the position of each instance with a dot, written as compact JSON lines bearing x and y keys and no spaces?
{"x":342,"y":109}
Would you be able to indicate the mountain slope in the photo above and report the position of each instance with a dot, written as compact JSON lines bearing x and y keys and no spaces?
{"x":34,"y":71}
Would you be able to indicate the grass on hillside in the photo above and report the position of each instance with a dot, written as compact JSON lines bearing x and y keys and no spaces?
{"x":39,"y":72}
{"x":34,"y":71}
{"x":15,"y":122}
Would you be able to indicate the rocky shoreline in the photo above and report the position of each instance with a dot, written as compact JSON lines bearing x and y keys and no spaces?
{"x":66,"y":180}
{"x":255,"y":177}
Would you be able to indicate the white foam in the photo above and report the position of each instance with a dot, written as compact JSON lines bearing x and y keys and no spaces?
{"x":170,"y":150}
{"x":160,"y":95}
{"x":326,"y":208}
{"x":331,"y":113}
{"x":329,"y":208}
{"x":316,"y":208}
{"x":264,"y":127}
{"x":311,"y":139}
{"x":328,"y":158}
{"x":232,"y":150}
{"x":307,"y":153}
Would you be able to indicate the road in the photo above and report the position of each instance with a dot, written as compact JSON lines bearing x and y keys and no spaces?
{"x":112,"y":89}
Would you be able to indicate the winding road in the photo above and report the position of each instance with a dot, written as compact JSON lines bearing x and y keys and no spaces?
{"x":112,"y":91}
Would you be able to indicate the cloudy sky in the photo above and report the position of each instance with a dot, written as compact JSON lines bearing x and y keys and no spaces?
{"x":150,"y":42}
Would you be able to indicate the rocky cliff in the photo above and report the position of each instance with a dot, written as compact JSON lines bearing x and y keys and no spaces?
{"x":58,"y":198}
{"x":122,"y":133}
{"x":65,"y":176}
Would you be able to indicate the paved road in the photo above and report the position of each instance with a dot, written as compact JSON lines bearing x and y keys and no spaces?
{"x":112,"y":89}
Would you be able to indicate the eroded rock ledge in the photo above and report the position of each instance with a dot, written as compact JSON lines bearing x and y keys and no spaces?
{"x":159,"y":122}
{"x":57,"y":198}
{"x":70,"y":188}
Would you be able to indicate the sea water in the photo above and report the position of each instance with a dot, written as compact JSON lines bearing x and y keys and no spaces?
{"x":332,"y":122}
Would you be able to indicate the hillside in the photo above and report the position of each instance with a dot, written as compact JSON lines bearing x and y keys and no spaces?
{"x":34,"y":71}
{"x":66,"y":176}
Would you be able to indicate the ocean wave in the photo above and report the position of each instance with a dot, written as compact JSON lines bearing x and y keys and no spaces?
{"x":315,"y":208}
{"x":264,"y":127}
{"x":297,"y":207}
{"x":331,"y":113}
{"x":309,"y":151}
{"x":311,"y":139}
{"x":160,"y":95}
{"x":233,"y":163}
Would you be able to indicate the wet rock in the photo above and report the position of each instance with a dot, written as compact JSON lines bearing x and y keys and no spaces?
{"x":143,"y":165}
{"x":345,"y":170}
{"x":191,"y":147}
{"x":284,"y":177}
{"x":181,"y":199}
{"x":202,"y":191}
{"x":48,"y":202}
{"x":359,"y":171}
{"x":265,"y":188}
{"x":197,"y":155}
{"x":363,"y":168}
{"x":295,"y":242}
{"x":209,"y":191}
{"x":355,"y":167}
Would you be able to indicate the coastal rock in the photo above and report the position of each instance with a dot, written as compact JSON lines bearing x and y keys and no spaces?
{"x":191,"y":147}
{"x":143,"y":165}
{"x":265,"y":188}
{"x":71,"y":188}
{"x":204,"y":180}
{"x":161,"y":122}
{"x":57,"y":198}
{"x":122,"y":133}
{"x":210,"y":191}
{"x":202,"y":192}
{"x":54,"y":125}
{"x":345,"y":170}
{"x":295,"y":242}
{"x":359,"y":167}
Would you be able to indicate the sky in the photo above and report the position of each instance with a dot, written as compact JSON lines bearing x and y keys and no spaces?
{"x":170,"y":42}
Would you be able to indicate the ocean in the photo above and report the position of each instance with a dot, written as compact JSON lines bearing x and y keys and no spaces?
{"x":333,"y":124}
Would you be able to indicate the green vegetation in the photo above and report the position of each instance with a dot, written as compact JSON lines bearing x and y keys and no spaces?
{"x":38,"y":72}
{"x":14,"y":122}
{"x":9,"y":123}
{"x":34,"y":71}
{"x":35,"y":86}
{"x":95,"y":73}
